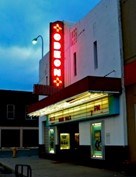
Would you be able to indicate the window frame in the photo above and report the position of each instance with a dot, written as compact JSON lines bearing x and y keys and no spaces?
{"x":95,"y":49}
{"x":10,"y":112}
{"x":75,"y":63}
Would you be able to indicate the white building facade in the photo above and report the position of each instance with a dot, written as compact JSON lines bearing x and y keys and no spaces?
{"x":86,"y":119}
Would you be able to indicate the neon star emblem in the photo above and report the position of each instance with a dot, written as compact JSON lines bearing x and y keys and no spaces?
{"x":57,"y":27}
{"x":57,"y":82}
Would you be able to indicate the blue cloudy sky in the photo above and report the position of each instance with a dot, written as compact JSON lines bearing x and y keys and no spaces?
{"x":20,"y":22}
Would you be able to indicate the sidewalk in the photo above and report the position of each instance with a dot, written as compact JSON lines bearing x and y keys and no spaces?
{"x":50,"y":168}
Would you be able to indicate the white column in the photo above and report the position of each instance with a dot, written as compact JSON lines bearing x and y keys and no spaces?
{"x":41,"y":129}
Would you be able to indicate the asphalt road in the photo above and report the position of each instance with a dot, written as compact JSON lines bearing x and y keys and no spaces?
{"x":50,"y":168}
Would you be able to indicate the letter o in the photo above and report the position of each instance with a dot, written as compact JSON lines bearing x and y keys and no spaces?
{"x":57,"y":62}
{"x":57,"y":36}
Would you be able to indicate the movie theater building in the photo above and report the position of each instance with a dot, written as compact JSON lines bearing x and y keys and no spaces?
{"x":83,"y":116}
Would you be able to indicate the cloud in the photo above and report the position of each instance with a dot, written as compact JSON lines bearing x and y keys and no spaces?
{"x":23,"y":20}
{"x":17,"y":52}
{"x":19,"y":67}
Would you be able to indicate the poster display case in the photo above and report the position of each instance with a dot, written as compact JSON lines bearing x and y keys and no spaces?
{"x":52,"y":142}
{"x":64,"y":141}
{"x":96,"y":138}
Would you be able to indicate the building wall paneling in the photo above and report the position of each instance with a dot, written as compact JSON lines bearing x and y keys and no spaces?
{"x":116,"y":155}
{"x":131,"y":119}
{"x":128,"y":11}
{"x":46,"y":138}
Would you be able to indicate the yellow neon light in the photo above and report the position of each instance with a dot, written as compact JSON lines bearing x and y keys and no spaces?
{"x":57,"y":27}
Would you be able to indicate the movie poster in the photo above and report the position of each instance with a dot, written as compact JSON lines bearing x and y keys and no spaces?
{"x":64,"y":141}
{"x":96,"y":136}
{"x":52,"y":142}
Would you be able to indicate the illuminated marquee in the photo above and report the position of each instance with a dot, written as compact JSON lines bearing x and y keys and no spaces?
{"x":57,"y":54}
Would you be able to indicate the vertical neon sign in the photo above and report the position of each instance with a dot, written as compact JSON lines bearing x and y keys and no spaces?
{"x":57,"y":54}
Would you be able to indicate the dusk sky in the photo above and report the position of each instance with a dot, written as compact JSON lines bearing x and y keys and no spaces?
{"x":23,"y":20}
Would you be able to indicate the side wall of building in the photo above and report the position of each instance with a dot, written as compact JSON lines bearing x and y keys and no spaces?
{"x":101,"y":25}
{"x":128,"y":9}
{"x":16,"y":128}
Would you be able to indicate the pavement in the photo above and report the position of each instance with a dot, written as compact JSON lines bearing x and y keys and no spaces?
{"x":50,"y":168}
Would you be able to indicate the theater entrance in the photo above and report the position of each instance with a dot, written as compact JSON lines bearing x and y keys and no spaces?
{"x":68,"y":135}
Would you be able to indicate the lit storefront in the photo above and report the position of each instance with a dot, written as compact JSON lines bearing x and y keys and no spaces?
{"x":66,"y":109}
{"x":83,"y":107}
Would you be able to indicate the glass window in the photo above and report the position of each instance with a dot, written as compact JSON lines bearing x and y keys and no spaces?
{"x":95,"y":55}
{"x":96,"y":140}
{"x":10,"y":111}
{"x":76,"y":140}
{"x":46,"y":80}
{"x":64,"y":141}
{"x":75,"y":64}
{"x":52,"y":141}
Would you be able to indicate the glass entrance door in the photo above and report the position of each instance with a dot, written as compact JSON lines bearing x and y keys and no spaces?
{"x":51,"y":140}
{"x":96,"y":140}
